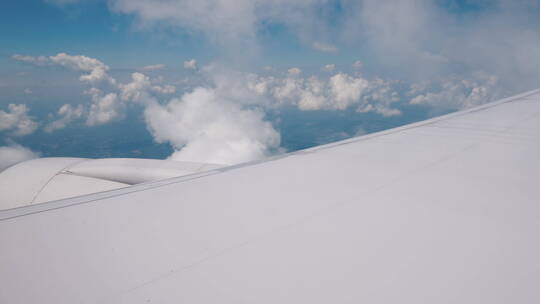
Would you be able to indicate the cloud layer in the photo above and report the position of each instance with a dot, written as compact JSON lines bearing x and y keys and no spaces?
{"x":222,"y":119}
{"x":415,"y":39}
{"x":206,"y":124}
{"x":439,"y":55}
{"x":339,"y":91}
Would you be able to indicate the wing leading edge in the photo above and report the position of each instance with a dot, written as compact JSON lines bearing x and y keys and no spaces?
{"x":443,"y":211}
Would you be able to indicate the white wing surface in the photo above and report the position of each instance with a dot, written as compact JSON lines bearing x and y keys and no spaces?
{"x":46,"y":179}
{"x":442,"y":211}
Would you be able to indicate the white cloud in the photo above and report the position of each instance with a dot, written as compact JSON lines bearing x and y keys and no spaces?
{"x":67,"y":113}
{"x":78,"y":63}
{"x":205,"y":127}
{"x":415,"y":39}
{"x":211,"y":124}
{"x":222,"y":120}
{"x":287,"y":88}
{"x":340,"y":91}
{"x":140,"y":88}
{"x":329,"y":67}
{"x":95,"y":69}
{"x":108,"y":97}
{"x":381,"y":98}
{"x":228,"y":23}
{"x":16,"y":119}
{"x":190,"y":64}
{"x":457,"y":93}
{"x":13,"y":154}
{"x":27,"y":91}
{"x":387,"y":112}
{"x":323,"y":47}
{"x":137,"y":89}
{"x":153,"y":67}
{"x":313,"y":96}
{"x":294,"y":71}
{"x":418,"y":39}
{"x":165,"y":89}
{"x":346,"y":89}
{"x":396,"y":32}
{"x":40,"y":60}
{"x":104,"y":108}
{"x":234,"y":24}
{"x":423,"y":40}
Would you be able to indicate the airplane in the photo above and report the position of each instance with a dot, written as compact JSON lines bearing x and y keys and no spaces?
{"x":445,"y":210}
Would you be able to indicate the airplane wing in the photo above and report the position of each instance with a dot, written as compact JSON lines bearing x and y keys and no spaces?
{"x":441,"y":211}
{"x":53,"y":178}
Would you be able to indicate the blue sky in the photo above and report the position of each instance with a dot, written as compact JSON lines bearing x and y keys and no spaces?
{"x":39,"y":28}
{"x":35,"y":27}
{"x":232,"y":81}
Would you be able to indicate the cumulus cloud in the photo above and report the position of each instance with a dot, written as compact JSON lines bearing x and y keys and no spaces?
{"x":203,"y":126}
{"x":222,"y":119}
{"x":13,"y":154}
{"x":78,"y":63}
{"x":137,"y":89}
{"x":382,"y":97}
{"x":140,"y":88}
{"x":212,"y":123}
{"x":153,"y":67}
{"x":340,"y":91}
{"x":96,"y":71}
{"x":311,"y":97}
{"x":109,"y":98}
{"x":448,"y":61}
{"x":456,"y":93}
{"x":329,"y":67}
{"x":190,"y":64}
{"x":418,"y":40}
{"x":165,"y":89}
{"x":105,"y":107}
{"x":346,"y":89}
{"x":294,"y":71}
{"x":67,"y":113}
{"x":16,"y":119}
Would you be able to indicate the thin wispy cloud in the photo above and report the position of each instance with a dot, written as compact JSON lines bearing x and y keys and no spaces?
{"x":153,"y":67}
